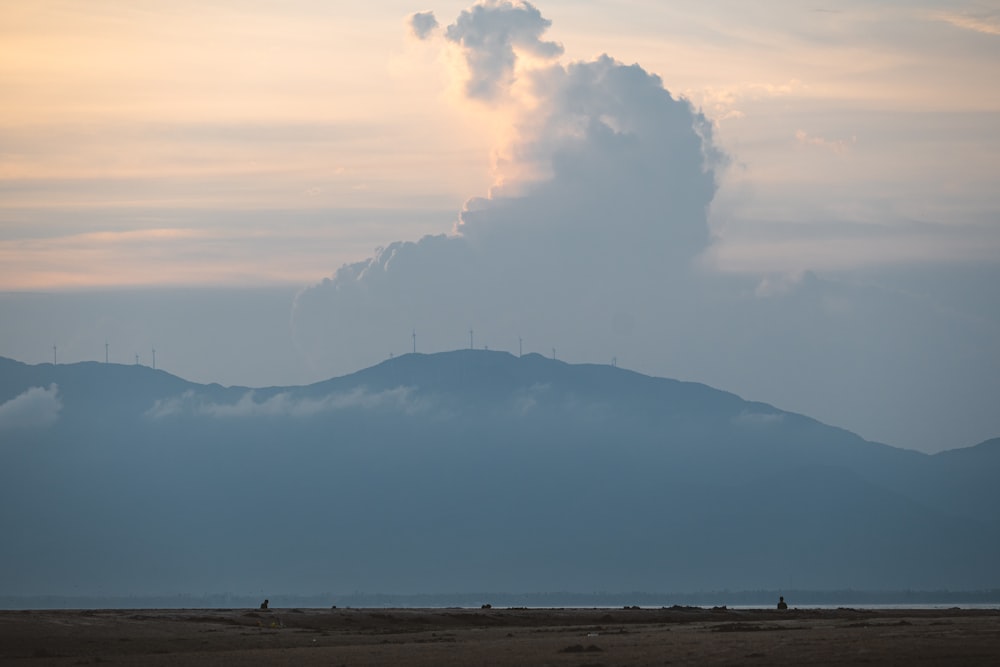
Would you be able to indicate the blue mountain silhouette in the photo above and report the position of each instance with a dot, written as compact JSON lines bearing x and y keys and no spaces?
{"x":466,"y":471}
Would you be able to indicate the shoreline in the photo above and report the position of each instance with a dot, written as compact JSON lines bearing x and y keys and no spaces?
{"x":499,"y":636}
{"x":749,"y":599}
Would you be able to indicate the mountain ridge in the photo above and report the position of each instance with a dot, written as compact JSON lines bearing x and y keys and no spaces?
{"x":7,"y":364}
{"x":468,"y":470}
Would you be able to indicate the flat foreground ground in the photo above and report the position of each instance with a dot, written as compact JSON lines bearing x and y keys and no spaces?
{"x":499,"y":637}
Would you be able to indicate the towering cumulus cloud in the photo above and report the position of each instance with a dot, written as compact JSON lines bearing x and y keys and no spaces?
{"x":490,"y":33}
{"x":602,"y":207}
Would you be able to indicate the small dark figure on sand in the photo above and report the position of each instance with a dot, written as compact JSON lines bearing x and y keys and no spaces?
{"x":781,"y":602}
{"x":263,"y":605}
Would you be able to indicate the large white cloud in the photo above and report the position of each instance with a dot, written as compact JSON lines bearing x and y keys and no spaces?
{"x":38,"y":407}
{"x":603,"y":193}
{"x":625,"y":164}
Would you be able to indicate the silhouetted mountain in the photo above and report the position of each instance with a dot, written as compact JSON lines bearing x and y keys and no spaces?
{"x":465,"y":471}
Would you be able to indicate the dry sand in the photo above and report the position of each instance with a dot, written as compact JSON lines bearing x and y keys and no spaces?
{"x":499,"y":637}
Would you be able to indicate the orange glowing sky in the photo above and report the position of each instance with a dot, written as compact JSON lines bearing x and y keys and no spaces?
{"x":156,"y":143}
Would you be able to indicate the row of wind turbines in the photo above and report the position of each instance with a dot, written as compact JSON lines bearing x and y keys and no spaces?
{"x":107,"y":355}
{"x":472,"y":346}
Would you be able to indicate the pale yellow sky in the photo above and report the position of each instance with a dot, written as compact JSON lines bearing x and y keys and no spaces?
{"x":163,"y":121}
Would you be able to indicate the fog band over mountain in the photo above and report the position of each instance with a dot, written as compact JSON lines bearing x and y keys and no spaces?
{"x":37,"y":407}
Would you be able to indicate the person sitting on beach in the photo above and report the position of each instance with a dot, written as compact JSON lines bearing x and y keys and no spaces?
{"x":263,"y":605}
{"x":781,"y":602}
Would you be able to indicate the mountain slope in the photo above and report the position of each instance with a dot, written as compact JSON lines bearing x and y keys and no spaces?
{"x":462,"y":471}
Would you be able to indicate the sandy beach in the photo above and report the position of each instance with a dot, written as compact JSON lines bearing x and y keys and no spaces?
{"x":499,"y":637}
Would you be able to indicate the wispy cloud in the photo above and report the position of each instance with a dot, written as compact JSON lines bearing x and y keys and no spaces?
{"x":38,"y":407}
{"x":39,"y":258}
{"x":987,"y":24}
{"x":758,"y":419}
{"x":287,"y":404}
{"x":838,"y":146}
{"x":728,"y":103}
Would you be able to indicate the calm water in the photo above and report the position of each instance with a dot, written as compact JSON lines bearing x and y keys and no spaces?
{"x":956,"y":605}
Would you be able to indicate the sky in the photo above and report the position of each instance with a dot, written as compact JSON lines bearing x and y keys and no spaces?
{"x":796,"y":203}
